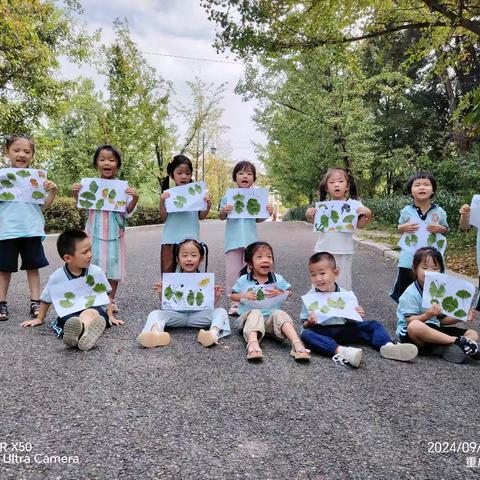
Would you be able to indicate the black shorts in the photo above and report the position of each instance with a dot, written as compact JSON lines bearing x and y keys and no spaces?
{"x":405,"y":278}
{"x":452,"y":331}
{"x":30,"y":250}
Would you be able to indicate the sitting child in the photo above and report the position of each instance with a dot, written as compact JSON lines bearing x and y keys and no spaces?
{"x":426,"y":327}
{"x":80,"y":329}
{"x":188,"y":254}
{"x":329,"y":337}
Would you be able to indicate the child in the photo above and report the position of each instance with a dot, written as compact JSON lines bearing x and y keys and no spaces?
{"x":178,"y":225}
{"x":422,"y":187}
{"x":80,"y":329}
{"x":271,"y":321}
{"x":239,"y":232}
{"x":328,"y":337}
{"x":339,"y":185}
{"x":22,"y":230}
{"x":464,"y":225}
{"x":106,"y":228}
{"x":189,"y":254}
{"x":427,"y":327}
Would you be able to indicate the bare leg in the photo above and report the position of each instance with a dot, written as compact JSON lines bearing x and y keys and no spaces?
{"x":472,"y":335}
{"x":5,"y":278}
{"x":33,"y":277}
{"x":421,"y":333}
{"x":114,"y":285}
{"x":253,"y":346}
{"x":299,"y":352}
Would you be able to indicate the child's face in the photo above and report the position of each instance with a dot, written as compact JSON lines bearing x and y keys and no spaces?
{"x":245,"y":178}
{"x":422,"y":189}
{"x":107,"y":164}
{"x":189,"y":257}
{"x":262,"y":261}
{"x":337,"y":185}
{"x":20,"y":153}
{"x":182,"y":174}
{"x":427,"y":264}
{"x":323,"y":276}
{"x":82,"y":256}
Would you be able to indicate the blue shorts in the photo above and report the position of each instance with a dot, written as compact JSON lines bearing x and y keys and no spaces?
{"x":59,"y":323}
{"x":30,"y":250}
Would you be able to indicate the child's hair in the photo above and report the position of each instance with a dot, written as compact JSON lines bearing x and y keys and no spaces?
{"x":319,"y":256}
{"x":176,"y":162}
{"x":202,"y":249}
{"x":19,"y":136}
{"x":116,"y":153}
{"x":244,"y":165}
{"x":250,"y":252}
{"x":418,"y":176}
{"x":67,"y":241}
{"x":425,"y":252}
{"x":352,"y":186}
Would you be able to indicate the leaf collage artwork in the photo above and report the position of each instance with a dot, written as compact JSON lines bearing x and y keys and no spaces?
{"x":336,"y":216}
{"x":22,"y":185}
{"x":188,"y":291}
{"x":187,"y":198}
{"x":262,"y":300}
{"x":454,"y":295}
{"x":248,"y":202}
{"x":332,"y":304}
{"x":79,"y":294}
{"x":422,"y":238}
{"x":103,"y":194}
{"x":475,"y":211}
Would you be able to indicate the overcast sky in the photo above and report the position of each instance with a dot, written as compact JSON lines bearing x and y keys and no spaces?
{"x":177,"y":27}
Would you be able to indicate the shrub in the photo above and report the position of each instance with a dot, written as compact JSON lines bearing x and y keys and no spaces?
{"x":296,"y":213}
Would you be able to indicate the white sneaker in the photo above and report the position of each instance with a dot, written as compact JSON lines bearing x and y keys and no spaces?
{"x":403,"y":352}
{"x":350,"y":355}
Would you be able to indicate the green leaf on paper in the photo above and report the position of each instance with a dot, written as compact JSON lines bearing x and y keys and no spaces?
{"x":99,"y":288}
{"x":449,"y":304}
{"x":191,"y":298}
{"x":69,"y":295}
{"x":90,"y":280}
{"x":334,"y":216}
{"x":38,"y":195}
{"x":168,"y":293}
{"x":93,"y":187}
{"x":66,"y":303}
{"x":459,"y":314}
{"x":463,"y":294}
{"x":23,"y":173}
{"x":199,"y":298}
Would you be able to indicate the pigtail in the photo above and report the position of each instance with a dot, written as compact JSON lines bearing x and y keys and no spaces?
{"x":322,"y":190}
{"x":205,"y":254}
{"x":175,"y":252}
{"x":352,"y":187}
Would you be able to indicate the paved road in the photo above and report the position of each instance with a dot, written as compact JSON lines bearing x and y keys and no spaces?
{"x":187,"y":412}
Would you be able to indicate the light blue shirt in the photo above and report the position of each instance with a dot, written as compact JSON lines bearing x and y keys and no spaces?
{"x":247,"y":281}
{"x":239,"y":232}
{"x":328,"y":321}
{"x":410,"y":303}
{"x":180,"y":226}
{"x":20,"y":219}
{"x":409,"y":213}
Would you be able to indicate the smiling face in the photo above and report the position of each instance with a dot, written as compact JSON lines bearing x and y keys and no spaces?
{"x":20,"y":153}
{"x":323,"y":275}
{"x":82,"y":257}
{"x":189,"y":257}
{"x":337,"y":185}
{"x":107,"y":164}
{"x":427,"y":264}
{"x":182,"y":175}
{"x":245,"y":178}
{"x":262,"y":262}
{"x":422,"y":189}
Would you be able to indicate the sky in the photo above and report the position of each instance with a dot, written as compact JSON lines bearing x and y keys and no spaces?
{"x":181,"y":28}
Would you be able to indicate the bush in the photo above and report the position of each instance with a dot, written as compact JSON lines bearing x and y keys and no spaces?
{"x":144,"y":215}
{"x":296,"y":213}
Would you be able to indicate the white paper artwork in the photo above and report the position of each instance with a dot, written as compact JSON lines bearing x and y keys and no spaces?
{"x":262,"y":300}
{"x":248,"y":202}
{"x":326,"y":305}
{"x":411,"y":242}
{"x":336,"y":216}
{"x":188,"y":291}
{"x":103,"y":194}
{"x":187,"y":198}
{"x":22,"y":185}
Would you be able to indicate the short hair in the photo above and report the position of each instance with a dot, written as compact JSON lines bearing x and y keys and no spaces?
{"x":418,"y":176}
{"x":67,"y":241}
{"x":319,"y":256}
{"x":425,"y":252}
{"x":19,"y":136}
{"x":110,"y":148}
{"x":250,"y":252}
{"x":244,"y":165}
{"x":176,"y":162}
{"x":352,"y":186}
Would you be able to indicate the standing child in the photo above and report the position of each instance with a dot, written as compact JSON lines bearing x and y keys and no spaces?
{"x":22,"y":230}
{"x":465,"y":225}
{"x":329,"y":337}
{"x":427,"y":327}
{"x":337,"y":184}
{"x":422,"y":187}
{"x":189,"y":254}
{"x":80,"y":329}
{"x":107,"y":229}
{"x":239,"y":232}
{"x":271,"y":320}
{"x":178,"y":225}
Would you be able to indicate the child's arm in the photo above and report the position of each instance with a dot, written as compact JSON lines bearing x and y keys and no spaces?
{"x":111,"y":317}
{"x":310,"y":214}
{"x":360,"y":311}
{"x":52,"y":189}
{"x":158,"y":288}
{"x":237,"y":297}
{"x":408,"y":227}
{"x":364,"y":217}
{"x":42,"y":313}
{"x":225,"y":211}
{"x":76,"y":187}
{"x":437,"y":228}
{"x":133,"y":202}
{"x":310,"y":321}
{"x":218,"y":294}
{"x":465,"y":217}
{"x":433,"y":311}
{"x":449,"y":321}
{"x":269,"y":210}
{"x":204,"y":213}
{"x":276,"y":291}
{"x":163,"y":210}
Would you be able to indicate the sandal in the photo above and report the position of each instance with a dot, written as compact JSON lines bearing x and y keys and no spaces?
{"x":254,"y":353}
{"x":3,"y":311}
{"x":300,"y":353}
{"x":34,"y":308}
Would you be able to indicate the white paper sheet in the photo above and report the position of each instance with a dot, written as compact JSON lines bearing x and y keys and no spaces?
{"x":422,"y":238}
{"x":262,"y":300}
{"x":453,"y":294}
{"x":336,"y":216}
{"x":79,"y":294}
{"x":475,"y":211}
{"x":187,"y":198}
{"x":188,"y":291}
{"x":22,"y":185}
{"x":103,"y":194}
{"x":248,"y":202}
{"x":326,"y":305}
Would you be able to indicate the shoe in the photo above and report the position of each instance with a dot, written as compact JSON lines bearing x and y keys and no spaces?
{"x":450,"y":353}
{"x":207,"y":338}
{"x":350,"y":355}
{"x":91,"y":334}
{"x":233,"y":311}
{"x":403,"y":352}
{"x":3,"y":312}
{"x":154,"y":339}
{"x":300,"y":353}
{"x":34,"y":308}
{"x":469,"y":347}
{"x":72,"y":331}
{"x":254,"y":353}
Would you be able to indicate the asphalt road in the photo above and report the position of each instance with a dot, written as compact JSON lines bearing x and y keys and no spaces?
{"x":185,"y":412}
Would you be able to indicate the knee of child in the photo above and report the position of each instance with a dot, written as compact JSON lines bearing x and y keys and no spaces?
{"x":414,"y":326}
{"x":472,"y":335}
